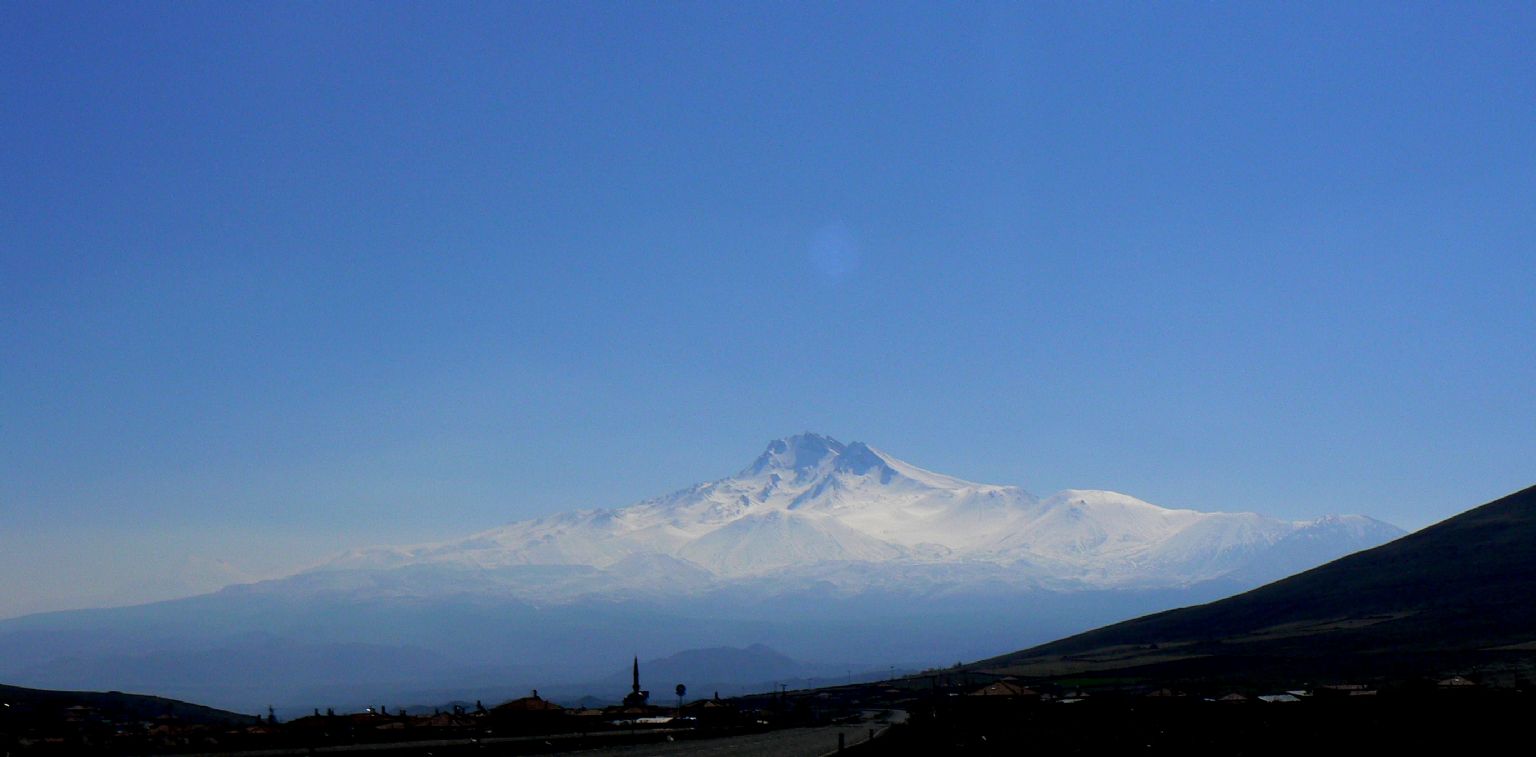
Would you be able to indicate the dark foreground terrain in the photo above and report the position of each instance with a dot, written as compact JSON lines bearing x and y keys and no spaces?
{"x":57,"y":724}
{"x":943,"y":712}
{"x":1380,"y":723}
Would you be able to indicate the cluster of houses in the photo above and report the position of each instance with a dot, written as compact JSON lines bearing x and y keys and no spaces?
{"x":1014,"y":690}
{"x":82,"y":729}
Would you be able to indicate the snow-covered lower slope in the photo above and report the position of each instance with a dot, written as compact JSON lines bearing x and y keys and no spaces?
{"x":855,"y":517}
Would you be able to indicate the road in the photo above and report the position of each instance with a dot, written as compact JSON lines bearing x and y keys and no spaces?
{"x":790,"y":742}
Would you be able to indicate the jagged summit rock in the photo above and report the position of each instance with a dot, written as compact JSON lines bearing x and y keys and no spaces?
{"x":800,"y":454}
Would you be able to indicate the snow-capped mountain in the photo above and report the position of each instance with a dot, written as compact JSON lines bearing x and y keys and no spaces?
{"x":812,"y":509}
{"x":817,"y":548}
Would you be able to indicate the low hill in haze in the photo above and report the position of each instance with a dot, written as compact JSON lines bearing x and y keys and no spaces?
{"x":1458,"y":596}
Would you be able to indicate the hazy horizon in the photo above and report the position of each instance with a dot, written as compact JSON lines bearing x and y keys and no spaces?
{"x":281,"y":281}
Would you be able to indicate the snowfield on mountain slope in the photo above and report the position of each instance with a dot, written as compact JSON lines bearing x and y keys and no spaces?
{"x":810,"y":500}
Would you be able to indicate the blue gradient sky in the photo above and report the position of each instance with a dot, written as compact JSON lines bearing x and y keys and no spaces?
{"x":282,"y":279}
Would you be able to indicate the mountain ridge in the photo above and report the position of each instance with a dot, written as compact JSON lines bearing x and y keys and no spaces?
{"x":811,"y":499}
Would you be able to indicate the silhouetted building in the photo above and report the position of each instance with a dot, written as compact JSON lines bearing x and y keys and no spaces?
{"x":527,"y":704}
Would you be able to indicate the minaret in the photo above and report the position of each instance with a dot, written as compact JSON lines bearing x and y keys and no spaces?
{"x":636,"y":697}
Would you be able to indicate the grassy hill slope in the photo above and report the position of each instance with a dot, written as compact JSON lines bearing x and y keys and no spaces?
{"x":1456,"y":595}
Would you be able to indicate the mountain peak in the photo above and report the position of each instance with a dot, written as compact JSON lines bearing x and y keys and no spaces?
{"x":800,"y":453}
{"x":859,"y":459}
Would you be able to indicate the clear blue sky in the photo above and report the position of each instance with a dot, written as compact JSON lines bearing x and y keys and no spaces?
{"x":282,"y":279}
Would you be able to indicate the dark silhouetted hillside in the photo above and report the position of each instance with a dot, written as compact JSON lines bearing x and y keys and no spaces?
{"x":113,"y":706}
{"x":1457,"y":594}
